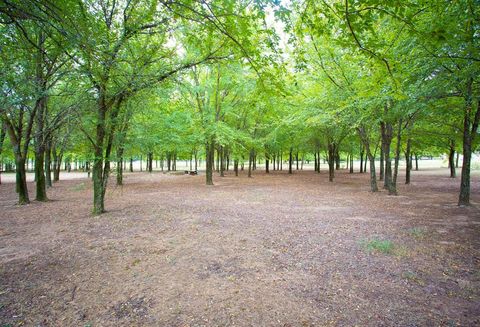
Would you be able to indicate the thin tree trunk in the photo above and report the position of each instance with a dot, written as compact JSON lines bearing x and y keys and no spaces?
{"x":393,"y":189}
{"x":451,"y":159}
{"x":48,"y":163}
{"x":209,"y":161}
{"x":361,"y":158}
{"x":21,"y":179}
{"x":331,"y":161}
{"x":382,"y":162}
{"x":221,"y":154}
{"x":351,"y":162}
{"x":469,"y":133}
{"x":120,"y":166}
{"x":250,"y":159}
{"x":387,"y":135}
{"x":337,"y":159}
{"x":290,"y":159}
{"x":408,"y":161}
{"x":371,"y":158}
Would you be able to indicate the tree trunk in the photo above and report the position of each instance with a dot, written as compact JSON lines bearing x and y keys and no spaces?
{"x":48,"y":162}
{"x":120,"y":166}
{"x":337,"y":159}
{"x":371,"y":158}
{"x":451,"y":159}
{"x":365,"y":164}
{"x":250,"y":159}
{"x":209,"y":161}
{"x":221,"y":154}
{"x":361,"y":158}
{"x":408,"y":161}
{"x":387,"y":135}
{"x":351,"y":162}
{"x":318,"y":161}
{"x":150,"y":161}
{"x":382,"y":163}
{"x":21,"y":180}
{"x":235,"y":167}
{"x":290,"y":160}
{"x":41,"y":102}
{"x":331,"y":161}
{"x":469,"y":133}
{"x":393,"y":189}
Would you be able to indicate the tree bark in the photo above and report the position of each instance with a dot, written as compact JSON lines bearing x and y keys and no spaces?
{"x":387,"y":135}
{"x":469,"y":132}
{"x":408,"y":167}
{"x":393,"y":189}
{"x":267,"y":163}
{"x":361,"y":158}
{"x":221,"y":154}
{"x":382,"y":163}
{"x":119,"y":166}
{"x":366,"y":144}
{"x":451,"y":161}
{"x":351,"y":162}
{"x":290,"y":160}
{"x":21,"y":180}
{"x":40,"y":103}
{"x":250,"y":159}
{"x":48,"y":163}
{"x":331,"y":161}
{"x":337,"y":159}
{"x":209,"y":161}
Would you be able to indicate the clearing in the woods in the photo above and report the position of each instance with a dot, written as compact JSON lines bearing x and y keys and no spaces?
{"x":278,"y":249}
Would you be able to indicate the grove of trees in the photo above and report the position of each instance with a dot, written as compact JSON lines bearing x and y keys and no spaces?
{"x":99,"y":84}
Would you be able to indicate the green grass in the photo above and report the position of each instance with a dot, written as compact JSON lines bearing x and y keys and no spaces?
{"x":417,"y":232}
{"x":378,"y":245}
{"x":79,"y":187}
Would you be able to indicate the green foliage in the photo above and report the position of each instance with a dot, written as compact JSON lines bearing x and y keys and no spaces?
{"x":378,"y":245}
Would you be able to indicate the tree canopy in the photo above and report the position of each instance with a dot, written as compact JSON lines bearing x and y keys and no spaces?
{"x":102,"y":82}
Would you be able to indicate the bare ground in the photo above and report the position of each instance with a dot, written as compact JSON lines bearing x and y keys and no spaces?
{"x":274,"y":250}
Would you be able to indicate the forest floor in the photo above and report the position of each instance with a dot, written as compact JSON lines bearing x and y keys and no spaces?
{"x":276,"y":250}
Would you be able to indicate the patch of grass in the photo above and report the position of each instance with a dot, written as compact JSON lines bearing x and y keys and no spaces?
{"x":79,"y":187}
{"x":378,"y":245}
{"x":417,"y":232}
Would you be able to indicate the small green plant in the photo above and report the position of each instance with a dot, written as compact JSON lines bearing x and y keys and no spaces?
{"x":417,"y":232}
{"x":378,"y":245}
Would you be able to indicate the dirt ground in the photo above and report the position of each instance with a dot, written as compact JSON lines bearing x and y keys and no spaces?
{"x":273,"y":250}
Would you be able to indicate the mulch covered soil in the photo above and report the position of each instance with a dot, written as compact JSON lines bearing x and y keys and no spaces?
{"x":272,"y":250}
